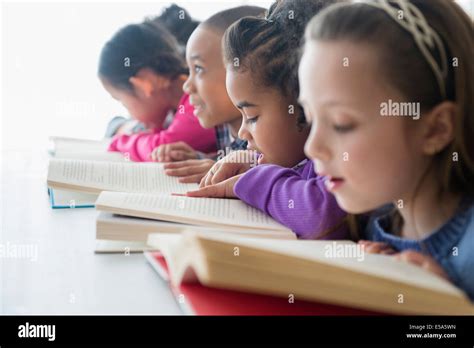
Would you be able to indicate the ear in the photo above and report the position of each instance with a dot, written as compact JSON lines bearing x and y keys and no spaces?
{"x":439,"y":127}
{"x":142,"y":85}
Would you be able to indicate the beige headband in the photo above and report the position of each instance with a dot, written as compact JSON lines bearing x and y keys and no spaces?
{"x":424,"y":35}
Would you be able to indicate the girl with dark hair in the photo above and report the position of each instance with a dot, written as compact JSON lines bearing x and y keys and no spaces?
{"x":261,"y":58}
{"x":206,"y":87}
{"x":141,"y":66}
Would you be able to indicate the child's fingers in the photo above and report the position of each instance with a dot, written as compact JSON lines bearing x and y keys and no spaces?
{"x":375,"y":247}
{"x":388,"y":251}
{"x":223,"y":172}
{"x":223,"y":189}
{"x":161,"y":152}
{"x":181,"y":164}
{"x":177,"y":155}
{"x":208,"y":178}
{"x":209,"y":168}
{"x":208,"y":191}
{"x":180,"y":145}
{"x":423,"y":261}
{"x":153,"y":156}
{"x":184,"y":171}
{"x":412,"y":257}
{"x":202,"y":183}
{"x":196,"y":178}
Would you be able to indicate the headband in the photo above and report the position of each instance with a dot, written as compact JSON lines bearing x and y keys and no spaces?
{"x":426,"y":38}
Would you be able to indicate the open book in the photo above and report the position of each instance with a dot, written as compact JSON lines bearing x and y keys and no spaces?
{"x":115,"y":227}
{"x":120,"y":247}
{"x":197,"y":299}
{"x":79,"y":149}
{"x":97,"y":176}
{"x":321,"y":271}
{"x":224,"y":214}
{"x":72,"y":148}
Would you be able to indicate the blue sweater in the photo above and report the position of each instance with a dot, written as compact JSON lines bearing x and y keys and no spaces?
{"x":452,"y":245}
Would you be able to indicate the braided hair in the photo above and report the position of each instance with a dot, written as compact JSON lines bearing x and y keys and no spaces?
{"x":268,"y":46}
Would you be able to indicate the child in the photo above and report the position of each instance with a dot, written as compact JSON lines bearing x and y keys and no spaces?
{"x":142,"y":67}
{"x":358,"y":60}
{"x":264,"y":86}
{"x":206,"y":87}
{"x":180,"y":24}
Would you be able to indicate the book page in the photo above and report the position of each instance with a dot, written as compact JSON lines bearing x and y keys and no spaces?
{"x":219,"y":211}
{"x":120,"y":247}
{"x":72,"y":148}
{"x":114,"y":176}
{"x":348,"y":255}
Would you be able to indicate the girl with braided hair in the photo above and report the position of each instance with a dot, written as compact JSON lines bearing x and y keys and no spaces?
{"x":261,"y":58}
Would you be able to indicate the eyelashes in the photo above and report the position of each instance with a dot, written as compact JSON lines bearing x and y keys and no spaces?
{"x":343,"y":128}
{"x":251,"y":120}
{"x":339,"y":128}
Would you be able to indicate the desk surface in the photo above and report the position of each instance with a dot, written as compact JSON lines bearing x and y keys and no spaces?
{"x":66,"y":277}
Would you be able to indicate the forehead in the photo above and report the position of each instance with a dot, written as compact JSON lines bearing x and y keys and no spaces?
{"x":338,"y":68}
{"x":242,"y":84}
{"x":243,"y":87}
{"x":204,"y":43}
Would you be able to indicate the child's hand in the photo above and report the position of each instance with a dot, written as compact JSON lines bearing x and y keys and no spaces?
{"x":189,"y":171}
{"x":225,"y":168}
{"x":178,"y":151}
{"x":424,"y":261}
{"x":376,"y":247}
{"x":224,"y":189}
{"x":419,"y":259}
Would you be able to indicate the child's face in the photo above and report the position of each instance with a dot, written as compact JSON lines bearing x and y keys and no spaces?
{"x":268,"y":123}
{"x":148,"y":110}
{"x":370,"y":160}
{"x":206,"y":81}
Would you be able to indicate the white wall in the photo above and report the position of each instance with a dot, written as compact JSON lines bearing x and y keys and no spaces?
{"x":49,"y":62}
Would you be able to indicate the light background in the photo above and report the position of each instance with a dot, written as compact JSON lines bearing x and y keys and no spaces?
{"x":49,"y":61}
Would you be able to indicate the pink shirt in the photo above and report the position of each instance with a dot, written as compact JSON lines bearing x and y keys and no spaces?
{"x":185,"y":127}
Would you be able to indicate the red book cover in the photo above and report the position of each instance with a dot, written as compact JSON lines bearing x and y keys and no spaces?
{"x":202,"y":300}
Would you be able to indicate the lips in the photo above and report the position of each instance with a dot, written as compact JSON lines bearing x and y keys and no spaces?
{"x":259,"y":155}
{"x":197,"y":110}
{"x":333,"y":183}
{"x":198,"y":106}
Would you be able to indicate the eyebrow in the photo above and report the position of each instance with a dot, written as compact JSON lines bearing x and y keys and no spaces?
{"x":196,"y":57}
{"x":245,"y":104}
{"x":329,"y":103}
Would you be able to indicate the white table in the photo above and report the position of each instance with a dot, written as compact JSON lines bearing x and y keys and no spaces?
{"x":67,"y":277}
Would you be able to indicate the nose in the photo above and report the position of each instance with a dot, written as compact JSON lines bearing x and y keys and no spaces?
{"x":316,"y":145}
{"x":244,"y":134}
{"x":188,"y":85}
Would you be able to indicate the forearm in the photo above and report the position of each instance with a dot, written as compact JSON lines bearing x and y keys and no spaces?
{"x":303,"y":205}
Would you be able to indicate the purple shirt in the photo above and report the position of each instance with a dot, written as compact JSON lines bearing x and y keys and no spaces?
{"x":297,"y":198}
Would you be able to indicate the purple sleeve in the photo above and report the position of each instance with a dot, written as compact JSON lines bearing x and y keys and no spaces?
{"x":298,"y":201}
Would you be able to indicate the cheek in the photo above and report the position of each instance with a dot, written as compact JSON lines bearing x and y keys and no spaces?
{"x":378,"y":169}
{"x":271,"y":136}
